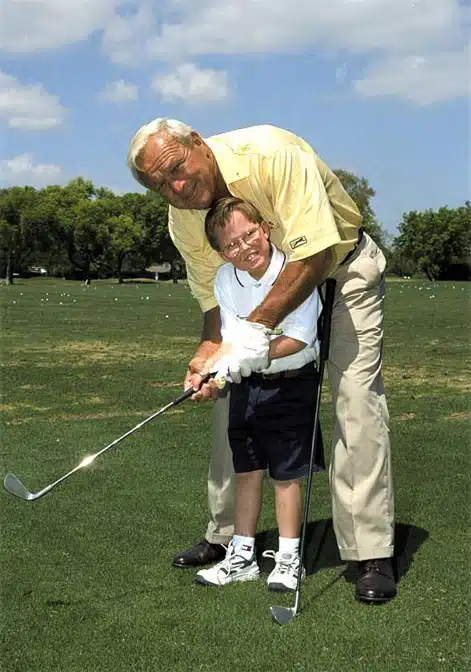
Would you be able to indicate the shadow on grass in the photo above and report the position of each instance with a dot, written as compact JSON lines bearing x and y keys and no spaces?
{"x":322,"y":551}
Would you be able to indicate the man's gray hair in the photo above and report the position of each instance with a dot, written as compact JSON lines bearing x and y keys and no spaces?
{"x":182,"y":132}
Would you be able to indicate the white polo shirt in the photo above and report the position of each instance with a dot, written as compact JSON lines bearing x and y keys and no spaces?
{"x":237,"y":294}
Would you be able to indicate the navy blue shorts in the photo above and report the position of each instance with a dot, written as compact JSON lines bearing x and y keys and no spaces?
{"x":271,"y":423}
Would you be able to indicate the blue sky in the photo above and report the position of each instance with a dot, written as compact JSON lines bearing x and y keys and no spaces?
{"x":378,"y":87}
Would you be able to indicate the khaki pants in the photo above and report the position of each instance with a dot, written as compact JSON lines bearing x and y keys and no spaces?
{"x":360,"y":469}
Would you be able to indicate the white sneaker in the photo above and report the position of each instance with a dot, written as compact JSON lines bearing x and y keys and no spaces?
{"x":232,"y":568}
{"x":285,"y":575}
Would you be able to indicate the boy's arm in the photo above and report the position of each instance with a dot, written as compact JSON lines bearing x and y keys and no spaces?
{"x":282,"y":346}
{"x":300,"y":328}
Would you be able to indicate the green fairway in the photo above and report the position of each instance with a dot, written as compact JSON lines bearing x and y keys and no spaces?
{"x":85,"y":572}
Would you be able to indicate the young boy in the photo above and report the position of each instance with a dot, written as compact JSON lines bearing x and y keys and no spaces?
{"x":271,"y":411}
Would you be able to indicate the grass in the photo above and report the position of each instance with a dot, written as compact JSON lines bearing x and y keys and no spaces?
{"x":85,"y":572}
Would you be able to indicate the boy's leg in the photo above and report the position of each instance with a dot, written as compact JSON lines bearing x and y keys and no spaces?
{"x":240,"y":563}
{"x":285,"y":424}
{"x":248,"y":502}
{"x":248,"y":505}
{"x":284,"y":576}
{"x":288,"y":508}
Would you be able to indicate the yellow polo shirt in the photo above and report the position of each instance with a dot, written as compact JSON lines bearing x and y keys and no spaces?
{"x":303,"y":202}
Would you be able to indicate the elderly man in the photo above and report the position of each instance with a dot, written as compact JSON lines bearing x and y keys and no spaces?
{"x":316,"y":224}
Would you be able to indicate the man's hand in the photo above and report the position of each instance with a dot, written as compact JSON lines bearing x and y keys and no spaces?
{"x":206,"y":354}
{"x":200,"y":366}
{"x":197,"y":372}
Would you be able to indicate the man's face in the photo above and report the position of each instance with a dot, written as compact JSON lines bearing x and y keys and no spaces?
{"x":186,"y":177}
{"x":245,"y":244}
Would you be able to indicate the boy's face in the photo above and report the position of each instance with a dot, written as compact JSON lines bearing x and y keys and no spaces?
{"x":246,"y":244}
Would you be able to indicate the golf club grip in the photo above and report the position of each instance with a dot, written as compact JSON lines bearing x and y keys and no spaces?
{"x":190,"y":391}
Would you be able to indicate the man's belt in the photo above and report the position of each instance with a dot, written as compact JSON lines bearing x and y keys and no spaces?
{"x":352,"y":252}
{"x":289,"y":373}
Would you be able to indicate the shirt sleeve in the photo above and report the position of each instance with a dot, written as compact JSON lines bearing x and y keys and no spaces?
{"x":226,"y":305}
{"x":301,"y":324}
{"x":301,"y":204}
{"x":186,"y":229}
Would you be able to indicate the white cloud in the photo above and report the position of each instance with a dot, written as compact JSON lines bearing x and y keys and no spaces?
{"x":32,"y":25}
{"x":135,"y":32}
{"x":192,"y":85}
{"x":125,"y":33}
{"x":204,"y":27}
{"x":389,"y":33}
{"x":423,"y":79}
{"x":21,"y":170}
{"x":28,"y":107}
{"x":177,"y":29}
{"x":118,"y":92}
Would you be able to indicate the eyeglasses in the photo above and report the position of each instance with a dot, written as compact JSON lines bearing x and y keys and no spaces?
{"x":232,"y":249}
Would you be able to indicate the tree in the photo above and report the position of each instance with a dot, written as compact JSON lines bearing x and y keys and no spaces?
{"x":150,"y":211}
{"x":157,"y":245}
{"x":89,"y":234}
{"x":7,"y":244}
{"x":44,"y":215}
{"x":121,"y":238}
{"x":436,"y":240}
{"x":18,"y":239}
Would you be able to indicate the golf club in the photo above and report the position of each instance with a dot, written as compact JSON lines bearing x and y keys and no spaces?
{"x":16,"y":487}
{"x":284,"y":615}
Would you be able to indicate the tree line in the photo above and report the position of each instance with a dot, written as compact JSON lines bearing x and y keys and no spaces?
{"x":83,"y":231}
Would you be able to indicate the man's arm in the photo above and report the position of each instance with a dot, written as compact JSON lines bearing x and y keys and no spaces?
{"x":207,"y":351}
{"x":295,"y":283}
{"x":210,"y":339}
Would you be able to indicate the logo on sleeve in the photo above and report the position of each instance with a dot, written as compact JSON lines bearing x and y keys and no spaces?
{"x":297,"y":242}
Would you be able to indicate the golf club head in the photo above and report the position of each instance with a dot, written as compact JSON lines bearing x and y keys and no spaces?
{"x":283,"y":615}
{"x":16,"y":487}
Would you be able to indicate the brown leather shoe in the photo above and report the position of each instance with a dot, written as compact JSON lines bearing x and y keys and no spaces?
{"x":203,"y":553}
{"x":376,"y":582}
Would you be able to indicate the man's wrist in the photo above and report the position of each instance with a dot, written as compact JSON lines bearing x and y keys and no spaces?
{"x":205,"y":351}
{"x":261,"y":317}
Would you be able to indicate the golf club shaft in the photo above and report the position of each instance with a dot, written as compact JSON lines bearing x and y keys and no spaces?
{"x":323,"y":357}
{"x":88,"y":460}
{"x":14,"y":486}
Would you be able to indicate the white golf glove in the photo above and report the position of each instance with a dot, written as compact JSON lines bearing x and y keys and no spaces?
{"x":250,"y":348}
{"x":248,"y":353}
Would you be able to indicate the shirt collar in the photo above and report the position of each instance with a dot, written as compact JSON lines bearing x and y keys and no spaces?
{"x":233,"y":165}
{"x":270,"y":276}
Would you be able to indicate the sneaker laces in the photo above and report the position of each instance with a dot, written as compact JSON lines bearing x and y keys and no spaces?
{"x":226,"y":564}
{"x":283,"y":565}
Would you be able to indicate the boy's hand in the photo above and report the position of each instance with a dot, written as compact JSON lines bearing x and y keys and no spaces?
{"x":250,"y":351}
{"x":221,"y":372}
